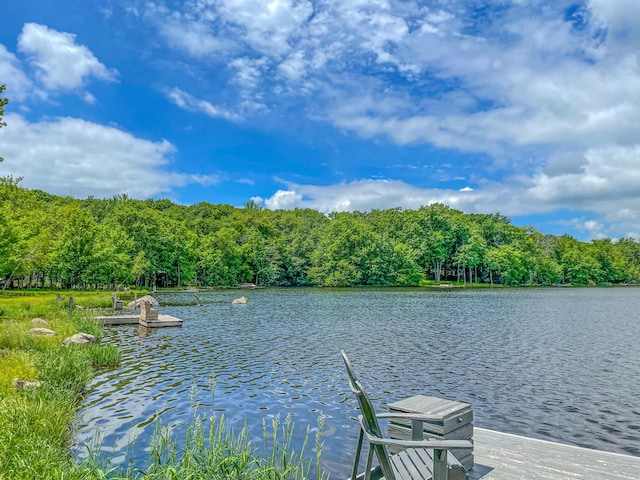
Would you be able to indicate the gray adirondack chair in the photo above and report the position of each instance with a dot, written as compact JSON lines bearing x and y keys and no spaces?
{"x":422,"y":459}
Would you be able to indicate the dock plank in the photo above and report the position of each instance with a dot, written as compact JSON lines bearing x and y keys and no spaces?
{"x":503,"y":456}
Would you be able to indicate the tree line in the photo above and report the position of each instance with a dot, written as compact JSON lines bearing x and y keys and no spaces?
{"x":62,"y":242}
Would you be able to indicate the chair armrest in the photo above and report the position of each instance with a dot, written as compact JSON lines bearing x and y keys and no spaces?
{"x":430,"y":444}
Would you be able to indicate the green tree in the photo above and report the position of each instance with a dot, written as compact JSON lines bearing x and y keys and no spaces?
{"x":299,"y":231}
{"x":220,"y":259}
{"x":112,"y":263}
{"x":404,"y":267}
{"x":629,"y":250}
{"x":431,"y":232}
{"x":471,"y":253}
{"x":75,"y":246}
{"x":3,"y":102}
{"x":578,"y":261}
{"x":508,"y":263}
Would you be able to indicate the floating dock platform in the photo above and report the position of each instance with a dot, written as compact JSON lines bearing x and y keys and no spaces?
{"x":162,"y":321}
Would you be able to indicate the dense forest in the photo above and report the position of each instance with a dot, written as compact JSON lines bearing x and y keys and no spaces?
{"x":61,"y":242}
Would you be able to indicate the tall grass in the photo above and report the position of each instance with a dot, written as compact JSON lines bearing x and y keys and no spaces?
{"x":36,"y":424}
{"x":211,"y":450}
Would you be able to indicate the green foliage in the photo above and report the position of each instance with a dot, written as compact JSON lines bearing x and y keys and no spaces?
{"x":3,"y":102}
{"x":48,"y":241}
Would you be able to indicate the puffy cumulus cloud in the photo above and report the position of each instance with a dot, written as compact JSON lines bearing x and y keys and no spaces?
{"x":294,"y":67}
{"x":284,"y":199}
{"x":11,"y":73}
{"x":365,"y":195}
{"x":248,"y":71}
{"x":605,"y":182}
{"x":188,"y":102}
{"x":70,"y":156}
{"x":471,"y":79}
{"x":538,"y":87}
{"x":549,"y":90}
{"x":61,"y":64}
{"x":608,"y":174}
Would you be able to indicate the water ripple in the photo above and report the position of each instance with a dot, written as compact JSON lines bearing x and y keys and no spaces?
{"x":555,"y":364}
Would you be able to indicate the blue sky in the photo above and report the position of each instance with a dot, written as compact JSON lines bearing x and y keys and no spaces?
{"x":525,"y":107}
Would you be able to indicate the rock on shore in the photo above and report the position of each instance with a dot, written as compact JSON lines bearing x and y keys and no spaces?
{"x":80,"y":339}
{"x":146,"y":298}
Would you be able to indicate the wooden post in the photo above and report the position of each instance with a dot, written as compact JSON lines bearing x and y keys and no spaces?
{"x":135,"y":301}
{"x":70,"y":306}
{"x":439,"y":464}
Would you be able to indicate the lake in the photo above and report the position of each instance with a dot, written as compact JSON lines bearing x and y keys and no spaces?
{"x":558,"y":364}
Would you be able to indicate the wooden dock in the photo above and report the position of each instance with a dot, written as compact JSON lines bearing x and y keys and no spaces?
{"x":502,"y":456}
{"x":162,"y":321}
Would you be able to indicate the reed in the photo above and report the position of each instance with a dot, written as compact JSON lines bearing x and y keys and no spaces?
{"x":212,"y":450}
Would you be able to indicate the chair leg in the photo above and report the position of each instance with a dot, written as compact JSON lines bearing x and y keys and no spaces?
{"x":368,"y":468}
{"x":356,"y":460}
{"x":440,"y":471}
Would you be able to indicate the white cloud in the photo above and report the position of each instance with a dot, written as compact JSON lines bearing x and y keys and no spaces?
{"x":365,"y":195}
{"x":191,"y":31}
{"x":70,"y":156}
{"x":192,"y":104}
{"x":11,"y":73}
{"x":89,"y":98}
{"x":620,"y":18}
{"x":294,"y":67}
{"x":248,"y":71}
{"x":61,"y":64}
{"x":267,"y":26}
{"x":606,"y":184}
{"x":553,"y":100}
{"x":284,"y":199}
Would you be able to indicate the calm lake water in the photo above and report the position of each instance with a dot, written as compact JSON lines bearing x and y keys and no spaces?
{"x":556,"y":364}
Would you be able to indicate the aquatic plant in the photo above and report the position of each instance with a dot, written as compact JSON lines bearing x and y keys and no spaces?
{"x":209,"y":448}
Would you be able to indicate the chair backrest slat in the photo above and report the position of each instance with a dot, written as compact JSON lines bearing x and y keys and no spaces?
{"x":369,"y":419}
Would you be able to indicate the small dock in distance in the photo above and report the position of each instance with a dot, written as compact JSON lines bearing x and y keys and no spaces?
{"x":503,"y":456}
{"x":149,"y":318}
{"x":162,"y":321}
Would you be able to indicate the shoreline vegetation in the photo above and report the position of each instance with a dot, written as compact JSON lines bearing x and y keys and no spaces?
{"x":42,"y":384}
{"x":47,"y":241}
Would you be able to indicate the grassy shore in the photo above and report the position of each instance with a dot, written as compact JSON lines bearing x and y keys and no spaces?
{"x":36,"y":424}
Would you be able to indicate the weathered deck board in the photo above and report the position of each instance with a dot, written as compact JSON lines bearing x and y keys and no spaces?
{"x":502,"y":456}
